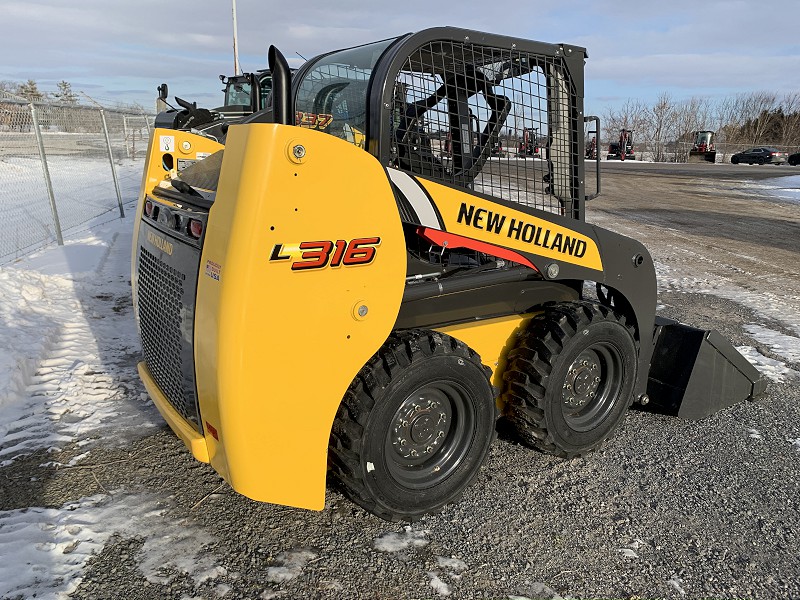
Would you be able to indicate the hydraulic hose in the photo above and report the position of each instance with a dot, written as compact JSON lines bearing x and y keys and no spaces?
{"x":440,"y":287}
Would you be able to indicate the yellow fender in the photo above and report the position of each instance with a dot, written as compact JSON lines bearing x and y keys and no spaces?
{"x":301,"y":280}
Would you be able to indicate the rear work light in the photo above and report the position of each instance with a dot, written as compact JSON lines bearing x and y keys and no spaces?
{"x":195,"y":228}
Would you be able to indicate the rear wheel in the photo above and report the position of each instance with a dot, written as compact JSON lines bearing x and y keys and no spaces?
{"x":414,"y":427}
{"x":760,"y":161}
{"x":570,"y":379}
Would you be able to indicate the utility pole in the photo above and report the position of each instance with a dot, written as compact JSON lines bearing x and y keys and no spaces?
{"x":235,"y":42}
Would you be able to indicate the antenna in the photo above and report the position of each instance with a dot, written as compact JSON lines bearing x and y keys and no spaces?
{"x":236,"y":70}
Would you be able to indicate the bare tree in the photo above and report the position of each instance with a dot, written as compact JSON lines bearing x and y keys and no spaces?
{"x":690,"y":116}
{"x":758,"y":114}
{"x":660,"y":122}
{"x":790,"y":123}
{"x":632,"y":116}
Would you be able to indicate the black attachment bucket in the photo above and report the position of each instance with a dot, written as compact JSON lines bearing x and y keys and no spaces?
{"x":695,"y":373}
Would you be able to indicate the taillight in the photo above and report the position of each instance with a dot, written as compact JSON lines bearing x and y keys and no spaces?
{"x":195,"y":228}
{"x":148,"y":208}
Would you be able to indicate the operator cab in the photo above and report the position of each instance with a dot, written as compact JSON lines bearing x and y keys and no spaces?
{"x":436,"y":107}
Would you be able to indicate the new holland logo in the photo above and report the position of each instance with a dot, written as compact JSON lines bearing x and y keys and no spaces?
{"x":159,"y":242}
{"x":327,"y":253}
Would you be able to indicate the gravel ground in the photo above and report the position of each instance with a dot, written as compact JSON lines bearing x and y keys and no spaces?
{"x":667,"y":509}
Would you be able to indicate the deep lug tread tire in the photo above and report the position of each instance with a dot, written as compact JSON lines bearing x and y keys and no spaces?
{"x":370,"y":468}
{"x":539,"y":370}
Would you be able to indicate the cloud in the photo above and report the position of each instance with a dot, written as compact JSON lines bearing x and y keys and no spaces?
{"x":685,"y":47}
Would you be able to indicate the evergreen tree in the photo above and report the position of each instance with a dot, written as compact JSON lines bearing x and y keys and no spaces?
{"x":30,"y":91}
{"x":65,"y":95}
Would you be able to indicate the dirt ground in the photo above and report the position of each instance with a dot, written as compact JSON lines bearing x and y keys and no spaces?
{"x":707,"y":217}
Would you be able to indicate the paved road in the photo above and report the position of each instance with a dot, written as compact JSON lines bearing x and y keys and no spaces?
{"x":667,"y":509}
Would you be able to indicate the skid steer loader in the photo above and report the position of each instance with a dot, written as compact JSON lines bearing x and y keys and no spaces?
{"x":354,"y":285}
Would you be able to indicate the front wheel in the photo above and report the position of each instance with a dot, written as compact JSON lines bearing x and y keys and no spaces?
{"x":570,"y":379}
{"x":414,"y":427}
{"x":734,"y":160}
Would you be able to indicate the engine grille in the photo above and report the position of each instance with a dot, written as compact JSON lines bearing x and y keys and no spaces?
{"x":163,"y":319}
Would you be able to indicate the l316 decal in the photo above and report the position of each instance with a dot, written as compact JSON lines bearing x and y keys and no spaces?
{"x":326,"y":253}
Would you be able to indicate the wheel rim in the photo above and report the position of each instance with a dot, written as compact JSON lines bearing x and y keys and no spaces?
{"x":592,"y":386}
{"x":429,"y":435}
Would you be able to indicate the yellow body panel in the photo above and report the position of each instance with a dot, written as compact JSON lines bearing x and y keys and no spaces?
{"x":491,"y":339}
{"x":193,"y":440}
{"x":467,"y":215}
{"x":276,"y":348}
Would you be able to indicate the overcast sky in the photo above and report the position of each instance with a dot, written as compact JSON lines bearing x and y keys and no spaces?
{"x":120,"y":50}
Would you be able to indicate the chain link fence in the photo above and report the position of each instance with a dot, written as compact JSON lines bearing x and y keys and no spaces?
{"x":62,"y":166}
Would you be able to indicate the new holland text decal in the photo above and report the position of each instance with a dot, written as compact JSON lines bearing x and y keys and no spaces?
{"x":514,"y":229}
{"x":159,"y":242}
{"x":326,"y":253}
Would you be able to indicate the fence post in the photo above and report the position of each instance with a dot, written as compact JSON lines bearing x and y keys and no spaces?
{"x":125,"y":135}
{"x":47,"y":180}
{"x":111,"y":160}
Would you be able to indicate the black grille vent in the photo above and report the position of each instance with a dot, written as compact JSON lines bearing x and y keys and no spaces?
{"x":161,"y":314}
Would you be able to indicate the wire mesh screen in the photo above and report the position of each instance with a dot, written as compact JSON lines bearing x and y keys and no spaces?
{"x":494,"y":120}
{"x":77,"y":166}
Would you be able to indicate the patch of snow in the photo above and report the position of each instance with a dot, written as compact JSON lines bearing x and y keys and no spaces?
{"x":676,"y":582}
{"x":786,"y":346}
{"x":67,"y":314}
{"x":539,"y":591}
{"x":439,"y":586}
{"x":774,"y":369}
{"x":396,"y":542}
{"x":289,"y":564}
{"x":628,"y":552}
{"x":45,"y":550}
{"x":754,"y":433}
{"x":455,"y":565}
{"x":785,"y":188}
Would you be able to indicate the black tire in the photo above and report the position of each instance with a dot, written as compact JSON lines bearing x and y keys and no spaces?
{"x":414,"y":427}
{"x":569,"y":381}
{"x":734,"y":160}
{"x":760,"y":161}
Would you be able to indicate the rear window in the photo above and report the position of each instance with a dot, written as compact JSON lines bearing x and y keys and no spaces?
{"x":333,"y":94}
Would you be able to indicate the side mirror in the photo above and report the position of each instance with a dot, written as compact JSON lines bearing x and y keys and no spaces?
{"x":163,"y":91}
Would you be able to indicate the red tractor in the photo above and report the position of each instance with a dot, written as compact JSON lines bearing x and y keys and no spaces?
{"x":623,"y":149}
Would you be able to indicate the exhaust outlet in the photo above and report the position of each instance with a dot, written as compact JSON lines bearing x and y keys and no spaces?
{"x":281,"y":87}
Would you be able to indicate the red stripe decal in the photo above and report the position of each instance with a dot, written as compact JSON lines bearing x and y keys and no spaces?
{"x":442,"y":238}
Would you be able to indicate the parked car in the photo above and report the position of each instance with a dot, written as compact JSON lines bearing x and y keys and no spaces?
{"x":760,"y":156}
{"x":794,"y":159}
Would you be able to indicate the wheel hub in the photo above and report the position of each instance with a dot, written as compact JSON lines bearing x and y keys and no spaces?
{"x":419,"y":428}
{"x":583,"y":379}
